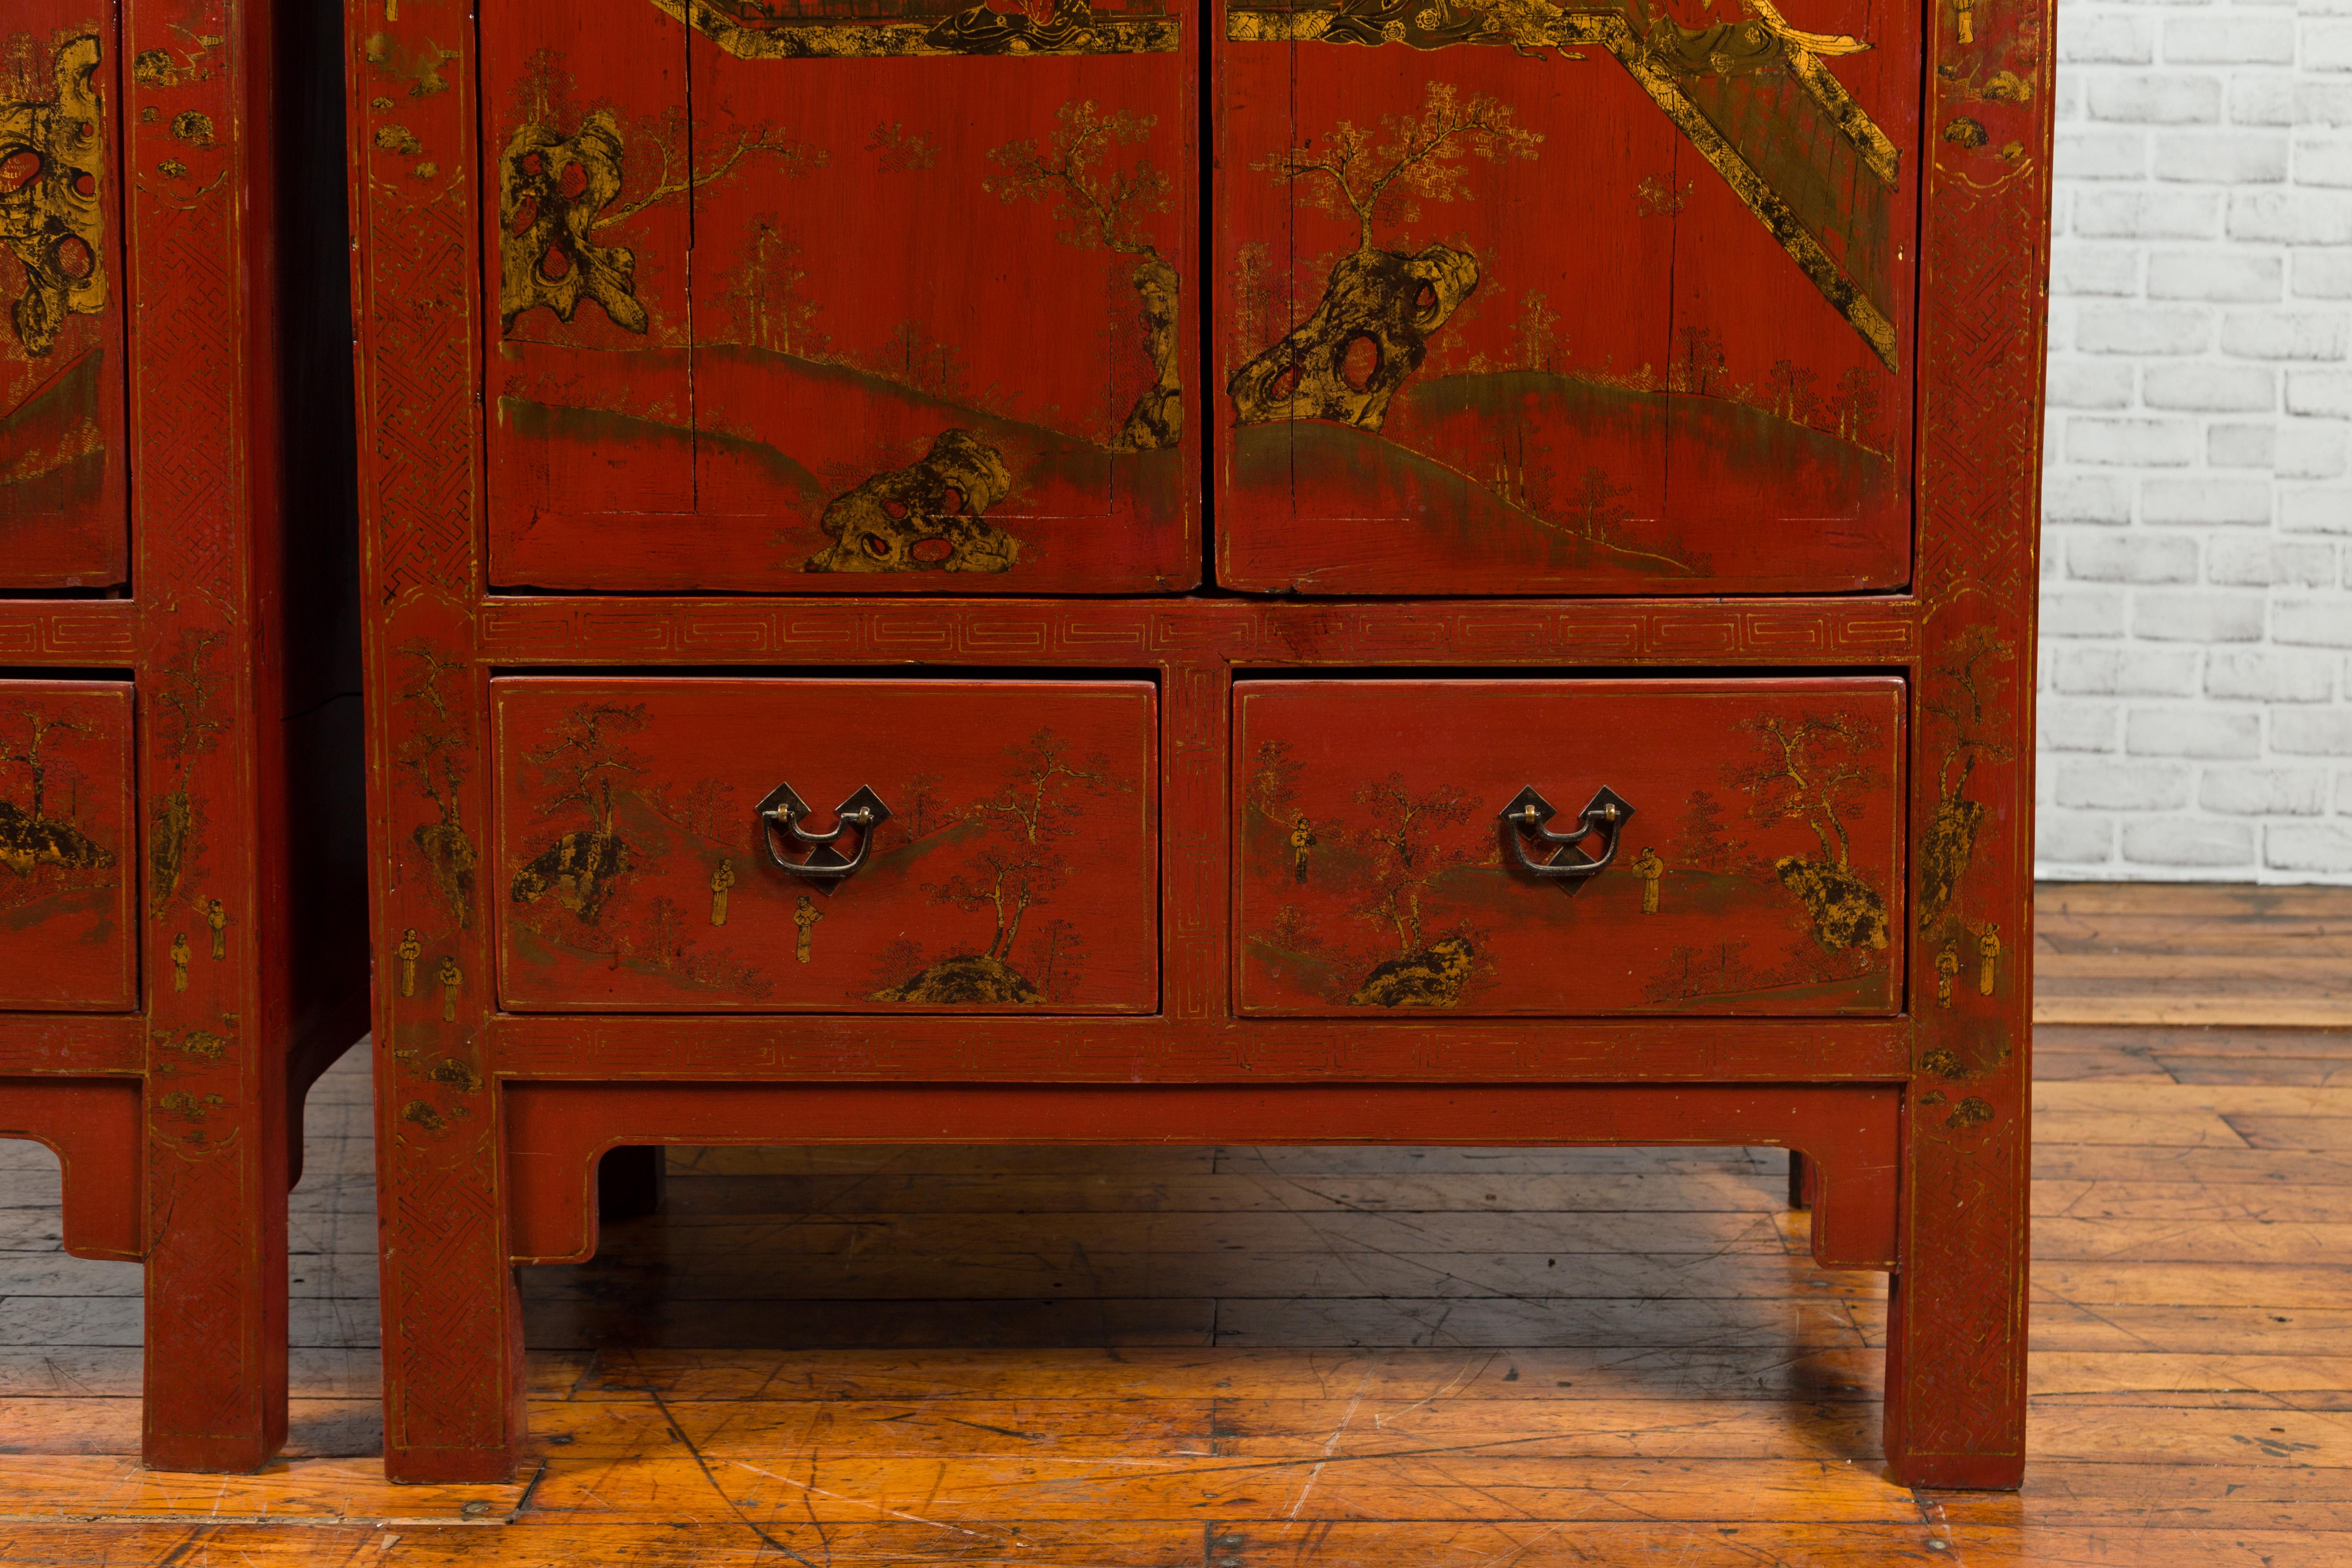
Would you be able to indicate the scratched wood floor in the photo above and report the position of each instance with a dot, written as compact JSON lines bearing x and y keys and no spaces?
{"x":1242,"y":1358}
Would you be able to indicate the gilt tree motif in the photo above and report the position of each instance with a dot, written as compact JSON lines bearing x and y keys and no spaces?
{"x":1960,"y":703}
{"x":577,"y":770}
{"x":1817,"y":770}
{"x":1022,"y":864}
{"x":435,"y":757}
{"x":32,"y":833}
{"x":191,"y":721}
{"x":560,"y":189}
{"x":772,"y":311}
{"x":1102,"y":206}
{"x":1383,"y":179}
{"x":1017,"y":867}
{"x":1401,"y":843}
{"x":1379,"y":307}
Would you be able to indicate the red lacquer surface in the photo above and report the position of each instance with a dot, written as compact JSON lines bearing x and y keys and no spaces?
{"x":1758,"y":874}
{"x":62,"y":454}
{"x":87,"y":1124}
{"x":1776,"y":436}
{"x":837,"y":324}
{"x":1628,"y":384}
{"x":1848,"y":1131}
{"x":170,"y":795}
{"x":68,"y":855}
{"x":1016,"y":872}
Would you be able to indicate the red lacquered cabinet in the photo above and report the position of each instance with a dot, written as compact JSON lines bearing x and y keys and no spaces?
{"x":919,"y":586}
{"x":181,"y":949}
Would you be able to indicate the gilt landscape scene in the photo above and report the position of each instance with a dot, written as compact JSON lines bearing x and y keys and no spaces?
{"x":1522,"y":297}
{"x":1759,"y":873}
{"x":1014,"y":871}
{"x":62,"y":523}
{"x":67,"y":857}
{"x":788,"y":341}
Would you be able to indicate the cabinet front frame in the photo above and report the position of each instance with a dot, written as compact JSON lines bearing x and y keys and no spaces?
{"x":1963,"y":636}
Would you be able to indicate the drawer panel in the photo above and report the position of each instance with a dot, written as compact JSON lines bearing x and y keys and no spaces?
{"x":1760,"y":870}
{"x":67,"y":847}
{"x":1016,"y":869}
{"x":63,"y":517}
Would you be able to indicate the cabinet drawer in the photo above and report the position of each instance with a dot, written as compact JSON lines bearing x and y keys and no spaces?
{"x":1012,"y":865}
{"x":1760,"y":870}
{"x":67,"y":847}
{"x":63,"y":520}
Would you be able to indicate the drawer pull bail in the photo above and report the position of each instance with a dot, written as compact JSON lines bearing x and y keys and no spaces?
{"x":1605,"y":814}
{"x":784,"y":812}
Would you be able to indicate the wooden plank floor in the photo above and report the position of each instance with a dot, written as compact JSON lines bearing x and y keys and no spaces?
{"x":2106,"y":952}
{"x":1247,"y":1358}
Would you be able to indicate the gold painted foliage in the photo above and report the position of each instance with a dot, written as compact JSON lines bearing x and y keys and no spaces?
{"x":1100,"y":203}
{"x":1381,"y":180}
{"x":578,"y":770}
{"x":1816,"y":770}
{"x":1379,"y":307}
{"x":52,"y":175}
{"x":436,"y":757}
{"x":556,"y":192}
{"x":33,"y":832}
{"x":1015,"y":866}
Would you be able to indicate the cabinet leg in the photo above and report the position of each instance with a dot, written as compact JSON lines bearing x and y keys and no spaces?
{"x":215,"y":1395}
{"x":1799,"y":1197}
{"x":1956,"y":1310}
{"x":453,"y":1407}
{"x":629,"y":1180}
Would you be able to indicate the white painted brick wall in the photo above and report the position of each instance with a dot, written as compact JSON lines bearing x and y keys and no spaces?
{"x":2197,"y":548}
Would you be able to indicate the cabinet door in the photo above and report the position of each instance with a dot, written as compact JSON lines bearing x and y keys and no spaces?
{"x":1011,"y":863}
{"x":844,"y":298}
{"x":69,"y":853}
{"x":63,"y":518}
{"x":1746,"y":836}
{"x":1526,"y":298}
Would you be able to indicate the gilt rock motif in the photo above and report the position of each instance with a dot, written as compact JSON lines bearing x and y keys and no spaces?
{"x":926,"y":517}
{"x":550,"y":190}
{"x":52,"y":175}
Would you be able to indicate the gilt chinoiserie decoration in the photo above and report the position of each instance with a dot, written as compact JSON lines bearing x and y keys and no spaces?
{"x":1763,"y":877}
{"x":62,"y":458}
{"x":1015,"y":873}
{"x":67,"y":846}
{"x":1529,"y":298}
{"x":804,"y":329}
{"x":1091,"y":572}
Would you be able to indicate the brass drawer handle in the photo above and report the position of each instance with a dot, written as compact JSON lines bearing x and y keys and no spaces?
{"x":1605,"y":814}
{"x":784,"y":811}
